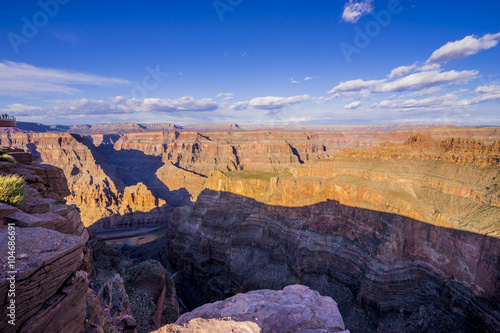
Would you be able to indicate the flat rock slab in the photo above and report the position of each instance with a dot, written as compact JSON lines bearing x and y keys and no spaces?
{"x":6,"y":210}
{"x":296,"y":308}
{"x":44,"y":260}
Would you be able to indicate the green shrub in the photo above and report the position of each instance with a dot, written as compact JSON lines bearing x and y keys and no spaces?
{"x":7,"y":158}
{"x":61,"y":201}
{"x":12,"y":189}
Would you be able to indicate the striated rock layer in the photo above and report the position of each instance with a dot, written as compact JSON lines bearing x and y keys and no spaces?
{"x":118,"y":173}
{"x":51,"y":264}
{"x":400,"y":236}
{"x":387,"y":272}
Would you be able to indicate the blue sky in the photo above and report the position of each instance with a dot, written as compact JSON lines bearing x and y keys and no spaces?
{"x":250,"y":62}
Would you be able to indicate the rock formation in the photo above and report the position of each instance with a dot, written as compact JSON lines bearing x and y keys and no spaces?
{"x":296,"y":308}
{"x":400,"y":228}
{"x":396,"y":244}
{"x":151,"y":289}
{"x":50,"y":285}
{"x":114,"y":171}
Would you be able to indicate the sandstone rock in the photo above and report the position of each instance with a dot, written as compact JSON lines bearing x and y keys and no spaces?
{"x":199,"y":325}
{"x":175,"y":164}
{"x":34,"y":205}
{"x":6,"y":210}
{"x":152,"y":295}
{"x":296,"y":308}
{"x":46,"y":259}
{"x":94,"y":317}
{"x":381,"y":267}
{"x":63,"y":312}
{"x":125,"y":324}
{"x":113,"y":297}
{"x":47,"y":179}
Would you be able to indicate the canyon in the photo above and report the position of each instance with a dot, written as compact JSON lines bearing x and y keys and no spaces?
{"x":400,"y":225}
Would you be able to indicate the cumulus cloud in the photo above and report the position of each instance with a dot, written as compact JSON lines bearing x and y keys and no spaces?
{"x":116,"y":105}
{"x":353,"y":10}
{"x":354,"y":86}
{"x":20,"y":78}
{"x":352,"y":106}
{"x":239,"y":106}
{"x":401,"y":70}
{"x":480,"y":95}
{"x":269,"y":102}
{"x":426,"y":79}
{"x":462,"y":48}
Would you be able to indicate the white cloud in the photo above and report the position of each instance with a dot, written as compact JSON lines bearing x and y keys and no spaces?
{"x":323,"y":100}
{"x":20,"y":78}
{"x":227,"y":96}
{"x":426,"y":79}
{"x":354,"y":86}
{"x":352,"y":106}
{"x":239,"y":106}
{"x":308,"y":78}
{"x":401,"y":70}
{"x":481,"y":94}
{"x":116,"y":105}
{"x":430,"y":67}
{"x":354,"y":10}
{"x":269,"y":102}
{"x":462,"y":48}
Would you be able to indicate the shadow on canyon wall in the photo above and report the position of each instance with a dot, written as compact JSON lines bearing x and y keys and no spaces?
{"x":387,"y":272}
{"x":130,"y":167}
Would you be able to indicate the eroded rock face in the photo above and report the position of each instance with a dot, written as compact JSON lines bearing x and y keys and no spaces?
{"x":296,"y":308}
{"x":387,"y":272}
{"x":104,"y":170}
{"x":152,"y":295}
{"x":46,"y":261}
{"x":51,"y":256}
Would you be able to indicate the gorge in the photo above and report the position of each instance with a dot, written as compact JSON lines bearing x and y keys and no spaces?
{"x":400,"y":226}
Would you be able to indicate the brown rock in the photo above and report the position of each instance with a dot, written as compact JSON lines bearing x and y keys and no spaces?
{"x":125,"y":324}
{"x":46,"y":259}
{"x":296,"y":308}
{"x":152,"y":295}
{"x":200,"y":325}
{"x":63,"y":312}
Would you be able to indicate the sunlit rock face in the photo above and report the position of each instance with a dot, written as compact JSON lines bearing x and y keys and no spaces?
{"x":403,"y":235}
{"x":405,"y":238}
{"x":106,"y":164}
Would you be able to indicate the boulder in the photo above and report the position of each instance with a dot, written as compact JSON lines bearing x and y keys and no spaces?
{"x":296,"y":308}
{"x":224,"y":325}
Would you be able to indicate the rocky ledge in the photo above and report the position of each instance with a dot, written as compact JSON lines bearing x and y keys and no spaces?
{"x":295,"y":309}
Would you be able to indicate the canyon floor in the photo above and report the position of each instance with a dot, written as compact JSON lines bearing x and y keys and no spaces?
{"x":397,"y":225}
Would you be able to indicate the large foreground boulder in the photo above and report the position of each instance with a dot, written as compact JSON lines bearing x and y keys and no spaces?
{"x":296,"y":308}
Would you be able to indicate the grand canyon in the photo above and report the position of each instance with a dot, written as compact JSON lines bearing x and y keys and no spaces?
{"x":370,"y":228}
{"x":232,"y":166}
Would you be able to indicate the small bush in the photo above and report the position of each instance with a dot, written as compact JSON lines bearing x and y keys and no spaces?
{"x":61,"y":201}
{"x":12,"y":189}
{"x":7,"y":158}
